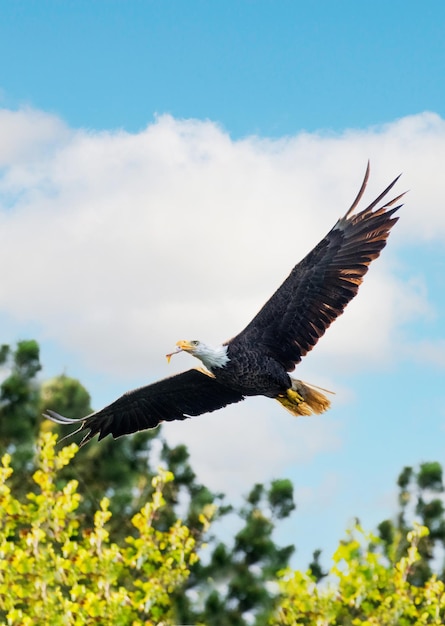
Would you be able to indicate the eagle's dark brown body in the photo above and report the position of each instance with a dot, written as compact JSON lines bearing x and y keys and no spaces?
{"x":251,"y":372}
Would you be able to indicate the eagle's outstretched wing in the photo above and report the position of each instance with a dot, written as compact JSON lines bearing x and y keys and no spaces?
{"x":321,"y":285}
{"x":175,"y":398}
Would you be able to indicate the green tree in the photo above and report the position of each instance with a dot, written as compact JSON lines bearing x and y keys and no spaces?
{"x":19,"y":401}
{"x":19,"y":393}
{"x":365,"y":587}
{"x":236,"y":575}
{"x":236,"y":585}
{"x":124,"y":468}
{"x":67,"y":394}
{"x":55,"y":570}
{"x":419,"y":501}
{"x":118,"y":468}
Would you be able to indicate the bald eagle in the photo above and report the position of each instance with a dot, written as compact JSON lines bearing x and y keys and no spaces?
{"x":258,"y":360}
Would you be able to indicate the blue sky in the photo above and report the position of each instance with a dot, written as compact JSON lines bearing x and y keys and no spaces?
{"x":255,"y":67}
{"x":164,"y":165}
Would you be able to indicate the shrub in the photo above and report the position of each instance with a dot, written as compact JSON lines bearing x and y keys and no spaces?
{"x":55,"y":571}
{"x":363,"y":587}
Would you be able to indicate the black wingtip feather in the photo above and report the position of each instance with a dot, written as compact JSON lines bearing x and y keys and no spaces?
{"x":376,"y":200}
{"x":361,"y":191}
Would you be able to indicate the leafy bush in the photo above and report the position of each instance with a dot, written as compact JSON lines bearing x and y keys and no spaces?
{"x":364,"y":587}
{"x":54,"y":571}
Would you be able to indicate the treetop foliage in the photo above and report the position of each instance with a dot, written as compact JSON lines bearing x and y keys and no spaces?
{"x":55,"y":571}
{"x":364,"y":588}
{"x":100,"y":536}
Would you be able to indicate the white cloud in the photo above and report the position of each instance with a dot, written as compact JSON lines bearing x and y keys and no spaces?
{"x":119,"y":244}
{"x":28,"y":138}
{"x":180,"y":231}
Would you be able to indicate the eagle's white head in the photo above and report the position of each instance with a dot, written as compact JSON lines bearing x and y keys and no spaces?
{"x":209,"y":356}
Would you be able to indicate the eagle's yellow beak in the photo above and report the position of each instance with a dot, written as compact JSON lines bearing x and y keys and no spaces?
{"x":181,"y":346}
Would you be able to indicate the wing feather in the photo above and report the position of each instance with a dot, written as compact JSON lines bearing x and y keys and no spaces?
{"x":175,"y":398}
{"x":319,"y":287}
